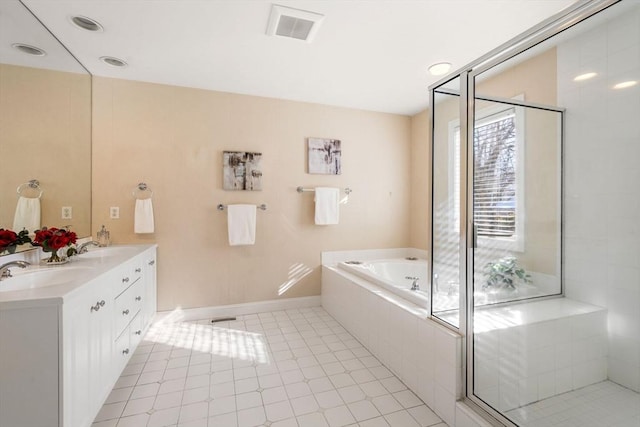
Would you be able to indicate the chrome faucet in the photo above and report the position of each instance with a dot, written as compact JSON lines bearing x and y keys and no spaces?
{"x":5,"y":273}
{"x":414,"y":285}
{"x":84,"y":247}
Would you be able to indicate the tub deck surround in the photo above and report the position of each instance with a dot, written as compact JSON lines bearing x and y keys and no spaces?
{"x":88,"y":266}
{"x":423,"y":354}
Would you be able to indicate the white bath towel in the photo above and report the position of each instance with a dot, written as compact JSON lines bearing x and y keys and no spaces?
{"x":241,"y":222}
{"x":143,"y":217}
{"x":327,"y":205}
{"x":27,"y":214}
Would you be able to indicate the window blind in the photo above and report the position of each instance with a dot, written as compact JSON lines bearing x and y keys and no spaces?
{"x":495,"y":175}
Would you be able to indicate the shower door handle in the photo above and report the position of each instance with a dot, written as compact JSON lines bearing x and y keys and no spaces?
{"x":474,"y":235}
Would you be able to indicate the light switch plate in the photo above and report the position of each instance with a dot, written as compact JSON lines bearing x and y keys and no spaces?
{"x":114,"y":212}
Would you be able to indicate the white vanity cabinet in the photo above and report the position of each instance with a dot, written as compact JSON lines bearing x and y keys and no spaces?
{"x":60,"y":357}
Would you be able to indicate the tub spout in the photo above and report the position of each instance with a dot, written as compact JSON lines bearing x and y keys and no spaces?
{"x":414,"y":285}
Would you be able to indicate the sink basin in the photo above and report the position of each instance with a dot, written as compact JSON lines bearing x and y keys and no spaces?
{"x":107,"y":252}
{"x":41,"y":277}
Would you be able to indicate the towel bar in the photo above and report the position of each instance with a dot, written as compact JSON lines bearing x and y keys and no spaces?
{"x":263,"y":207}
{"x":301,"y":189}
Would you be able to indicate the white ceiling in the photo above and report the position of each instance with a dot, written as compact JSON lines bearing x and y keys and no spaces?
{"x":368,"y":54}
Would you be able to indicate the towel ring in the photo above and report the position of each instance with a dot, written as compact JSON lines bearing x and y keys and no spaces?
{"x":34,"y":184}
{"x":142,"y":187}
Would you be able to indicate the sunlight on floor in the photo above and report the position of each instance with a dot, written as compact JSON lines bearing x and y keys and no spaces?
{"x":210,"y":339}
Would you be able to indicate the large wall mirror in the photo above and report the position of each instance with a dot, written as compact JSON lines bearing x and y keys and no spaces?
{"x":45,"y":128}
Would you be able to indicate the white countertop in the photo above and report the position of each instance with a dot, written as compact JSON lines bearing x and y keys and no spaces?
{"x":85,"y":269}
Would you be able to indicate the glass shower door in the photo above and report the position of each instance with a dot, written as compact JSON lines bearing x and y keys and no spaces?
{"x":516,"y":204}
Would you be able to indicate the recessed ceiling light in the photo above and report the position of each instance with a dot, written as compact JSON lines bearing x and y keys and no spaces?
{"x":585,"y":76}
{"x":28,"y":49}
{"x":114,"y":62}
{"x":86,"y":23}
{"x":624,"y":85}
{"x":440,"y":68}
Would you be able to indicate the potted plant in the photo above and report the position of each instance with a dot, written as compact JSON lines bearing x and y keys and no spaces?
{"x":52,"y":239}
{"x":505,"y":273}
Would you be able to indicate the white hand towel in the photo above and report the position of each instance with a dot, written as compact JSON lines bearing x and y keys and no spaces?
{"x":143,"y":217}
{"x":27,"y":214}
{"x":241,"y":222}
{"x":327,"y":205}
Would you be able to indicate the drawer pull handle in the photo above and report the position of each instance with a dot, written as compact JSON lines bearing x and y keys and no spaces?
{"x":138,"y":298}
{"x":125,"y":280}
{"x":138,"y":332}
{"x":102,"y":303}
{"x":125,"y":351}
{"x":152,"y":262}
{"x":125,"y":312}
{"x":138,"y":270}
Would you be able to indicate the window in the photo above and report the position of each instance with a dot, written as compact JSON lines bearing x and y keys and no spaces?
{"x":498,"y":176}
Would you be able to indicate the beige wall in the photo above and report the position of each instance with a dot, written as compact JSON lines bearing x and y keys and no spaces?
{"x":420,"y":218}
{"x":45,"y":134}
{"x":172,"y":138}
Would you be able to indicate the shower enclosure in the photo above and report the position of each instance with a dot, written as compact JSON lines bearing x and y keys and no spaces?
{"x":535,"y":207}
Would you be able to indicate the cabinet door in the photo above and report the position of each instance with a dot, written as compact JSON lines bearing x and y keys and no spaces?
{"x":88,"y":348}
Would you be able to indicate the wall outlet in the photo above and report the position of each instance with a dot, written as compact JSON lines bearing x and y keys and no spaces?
{"x":67,"y":212}
{"x":114,"y":212}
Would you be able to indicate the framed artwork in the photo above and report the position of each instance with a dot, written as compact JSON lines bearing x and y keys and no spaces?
{"x":325,"y":156}
{"x":241,"y":171}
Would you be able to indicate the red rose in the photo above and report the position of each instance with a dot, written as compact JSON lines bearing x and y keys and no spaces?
{"x":7,"y":238}
{"x":54,"y":238}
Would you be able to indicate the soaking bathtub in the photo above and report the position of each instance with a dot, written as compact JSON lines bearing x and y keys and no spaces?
{"x":392,"y":275}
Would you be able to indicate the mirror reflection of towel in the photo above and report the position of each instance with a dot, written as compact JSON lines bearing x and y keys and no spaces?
{"x":27,"y":214}
{"x":241,"y":221}
{"x":143,"y":217}
{"x":327,"y":205}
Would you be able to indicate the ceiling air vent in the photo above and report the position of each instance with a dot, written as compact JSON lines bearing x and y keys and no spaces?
{"x":293,"y":23}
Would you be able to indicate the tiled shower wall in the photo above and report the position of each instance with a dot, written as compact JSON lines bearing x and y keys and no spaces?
{"x":602,"y":176}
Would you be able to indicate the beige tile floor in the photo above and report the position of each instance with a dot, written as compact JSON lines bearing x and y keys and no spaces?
{"x":281,"y":369}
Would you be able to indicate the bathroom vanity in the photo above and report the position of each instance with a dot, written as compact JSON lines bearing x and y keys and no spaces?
{"x":67,"y":332}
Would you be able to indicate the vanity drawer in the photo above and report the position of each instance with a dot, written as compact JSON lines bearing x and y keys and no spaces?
{"x":128,"y":305}
{"x":130,"y":273}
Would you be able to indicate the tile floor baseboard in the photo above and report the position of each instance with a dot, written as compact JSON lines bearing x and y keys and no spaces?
{"x":287,"y":368}
{"x":178,"y":315}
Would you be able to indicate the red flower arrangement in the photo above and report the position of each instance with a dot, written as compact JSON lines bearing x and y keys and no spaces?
{"x":52,"y":239}
{"x":9,"y":239}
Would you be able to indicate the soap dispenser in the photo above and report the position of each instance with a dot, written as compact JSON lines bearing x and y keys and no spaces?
{"x":104,"y":238}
